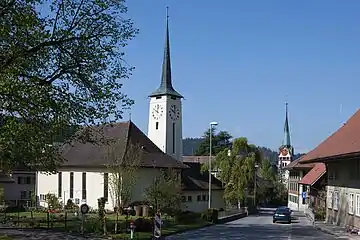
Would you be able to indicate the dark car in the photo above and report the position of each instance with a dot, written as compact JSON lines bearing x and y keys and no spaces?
{"x":282,"y":215}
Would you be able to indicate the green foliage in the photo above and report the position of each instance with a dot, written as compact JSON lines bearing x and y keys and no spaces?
{"x":52,"y":202}
{"x":165,"y":192}
{"x":219,"y":142}
{"x":212,"y":215}
{"x":71,"y":206}
{"x":58,"y":69}
{"x":237,"y":169}
{"x":102,"y":213}
{"x":2,"y":195}
{"x":187,"y":217}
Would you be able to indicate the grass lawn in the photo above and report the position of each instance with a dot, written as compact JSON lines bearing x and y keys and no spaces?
{"x":5,"y":237}
{"x":73,"y":224}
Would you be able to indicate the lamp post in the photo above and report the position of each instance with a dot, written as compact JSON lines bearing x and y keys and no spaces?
{"x":256,"y":167}
{"x":210,"y":159}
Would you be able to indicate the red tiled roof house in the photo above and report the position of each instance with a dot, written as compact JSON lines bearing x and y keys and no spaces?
{"x":341,"y":155}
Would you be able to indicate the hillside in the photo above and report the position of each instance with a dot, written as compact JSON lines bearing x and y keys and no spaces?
{"x":191,"y":144}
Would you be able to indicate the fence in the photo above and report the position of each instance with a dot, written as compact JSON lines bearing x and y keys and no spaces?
{"x":64,"y":221}
{"x":231,"y":212}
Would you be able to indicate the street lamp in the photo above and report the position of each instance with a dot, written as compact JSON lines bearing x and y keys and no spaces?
{"x":212,"y":124}
{"x":256,"y":167}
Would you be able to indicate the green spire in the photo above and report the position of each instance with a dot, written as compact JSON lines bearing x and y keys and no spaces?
{"x":286,"y":142}
{"x":166,"y":87}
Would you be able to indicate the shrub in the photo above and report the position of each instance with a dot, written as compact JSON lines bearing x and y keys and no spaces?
{"x":71,"y":206}
{"x":13,"y":209}
{"x":143,"y":225}
{"x":187,"y":217}
{"x":212,"y":215}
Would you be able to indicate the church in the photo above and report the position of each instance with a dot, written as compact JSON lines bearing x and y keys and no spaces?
{"x":84,"y":176}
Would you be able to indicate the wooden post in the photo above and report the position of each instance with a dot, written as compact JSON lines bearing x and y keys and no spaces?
{"x":65,"y":219}
{"x":48,"y":219}
{"x":18,"y":218}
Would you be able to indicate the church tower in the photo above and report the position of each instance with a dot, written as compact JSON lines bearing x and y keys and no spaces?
{"x":165,"y":115}
{"x":286,"y":151}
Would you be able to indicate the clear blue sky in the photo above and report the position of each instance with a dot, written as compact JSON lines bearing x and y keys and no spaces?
{"x":236,"y":62}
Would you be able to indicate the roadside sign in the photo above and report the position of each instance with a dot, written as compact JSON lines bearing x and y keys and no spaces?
{"x":84,"y":208}
{"x":303,"y":194}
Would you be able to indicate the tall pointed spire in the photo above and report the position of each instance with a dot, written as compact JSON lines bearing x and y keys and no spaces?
{"x":166,"y":87}
{"x":286,"y":128}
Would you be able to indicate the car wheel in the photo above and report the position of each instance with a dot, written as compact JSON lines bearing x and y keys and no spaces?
{"x":274,"y":221}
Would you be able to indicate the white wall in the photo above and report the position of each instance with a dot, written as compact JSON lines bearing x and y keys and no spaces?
{"x":12,"y":191}
{"x":163,"y":136}
{"x":194,"y":205}
{"x":94,"y":185}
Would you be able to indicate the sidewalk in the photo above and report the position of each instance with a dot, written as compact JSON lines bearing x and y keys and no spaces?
{"x":335,"y":230}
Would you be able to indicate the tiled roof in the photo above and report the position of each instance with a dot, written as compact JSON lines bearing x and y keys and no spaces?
{"x":6,"y":178}
{"x":197,"y":159}
{"x":193,"y":179}
{"x":344,"y":142}
{"x":297,"y":165}
{"x":314,"y":174}
{"x":96,"y":154}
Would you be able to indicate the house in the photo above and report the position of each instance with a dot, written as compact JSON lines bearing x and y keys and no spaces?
{"x":340,"y":153}
{"x":84,"y":176}
{"x":305,"y":183}
{"x":18,"y":187}
{"x":196,"y":189}
{"x":201,"y":160}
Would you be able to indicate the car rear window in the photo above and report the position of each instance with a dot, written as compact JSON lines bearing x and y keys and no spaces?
{"x":282,"y":211}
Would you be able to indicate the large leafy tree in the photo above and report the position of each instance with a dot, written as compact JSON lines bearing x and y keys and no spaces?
{"x":237,"y":169}
{"x":61,"y":64}
{"x":219,"y":141}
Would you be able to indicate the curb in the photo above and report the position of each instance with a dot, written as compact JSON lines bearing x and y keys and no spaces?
{"x":326,"y":231}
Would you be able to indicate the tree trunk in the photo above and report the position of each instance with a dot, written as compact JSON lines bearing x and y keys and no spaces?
{"x":117,"y":220}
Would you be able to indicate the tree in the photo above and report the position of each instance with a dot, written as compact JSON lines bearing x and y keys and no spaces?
{"x":267,"y":179}
{"x":219,"y":142}
{"x":123,"y":173}
{"x":165,"y":192}
{"x":52,"y":201}
{"x":237,"y":169}
{"x":58,"y":69}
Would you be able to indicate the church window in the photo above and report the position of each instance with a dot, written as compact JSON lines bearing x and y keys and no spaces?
{"x":157,"y":125}
{"x":59,"y":184}
{"x":106,"y":186}
{"x":173,"y":138}
{"x":158,"y":97}
{"x":71,"y":185}
{"x":83,"y":186}
{"x":173,"y":98}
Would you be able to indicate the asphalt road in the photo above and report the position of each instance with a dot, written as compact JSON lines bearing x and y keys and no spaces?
{"x":257,"y":227}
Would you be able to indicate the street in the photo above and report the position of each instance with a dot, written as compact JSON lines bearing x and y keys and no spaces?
{"x":257,"y":227}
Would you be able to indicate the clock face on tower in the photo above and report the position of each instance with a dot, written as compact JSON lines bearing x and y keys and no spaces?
{"x":174,"y":112}
{"x":157,"y":111}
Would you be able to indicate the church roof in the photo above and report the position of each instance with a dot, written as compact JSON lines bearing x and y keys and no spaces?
{"x":166,"y":87}
{"x":286,"y":141}
{"x":92,"y":147}
{"x":345,"y":142}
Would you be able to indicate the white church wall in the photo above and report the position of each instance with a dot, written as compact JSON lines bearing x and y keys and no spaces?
{"x":94,"y":186}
